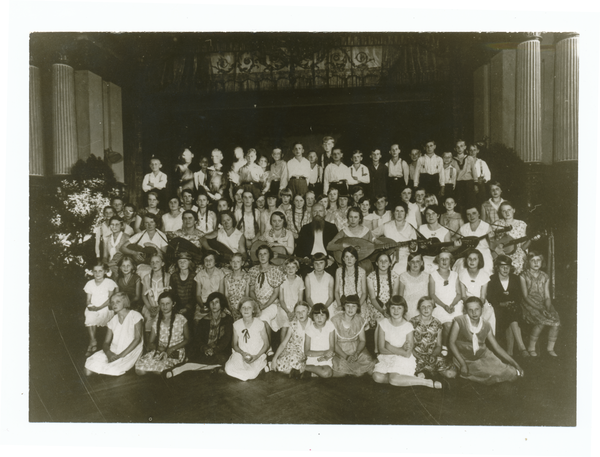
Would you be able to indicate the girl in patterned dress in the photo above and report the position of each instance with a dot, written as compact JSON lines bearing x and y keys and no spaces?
{"x":300,"y":216}
{"x":396,"y":363}
{"x":350,"y":278}
{"x":382,"y":284}
{"x":519,"y":230}
{"x":265,"y":280}
{"x":537,"y":304}
{"x":168,"y":339}
{"x":237,"y":285}
{"x":290,"y":358}
{"x":153,"y":284}
{"x":427,"y":337}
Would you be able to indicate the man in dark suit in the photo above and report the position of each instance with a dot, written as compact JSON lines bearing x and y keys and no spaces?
{"x":314,"y":237}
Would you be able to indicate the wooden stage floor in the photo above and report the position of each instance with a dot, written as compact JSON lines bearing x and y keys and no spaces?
{"x":59,"y":391}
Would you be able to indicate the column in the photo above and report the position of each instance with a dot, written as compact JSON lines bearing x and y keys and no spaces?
{"x":566,"y":98}
{"x":64,"y":123}
{"x":36,"y":140}
{"x":528,"y":137}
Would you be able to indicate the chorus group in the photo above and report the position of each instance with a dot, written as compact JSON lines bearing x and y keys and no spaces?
{"x":411,"y":272}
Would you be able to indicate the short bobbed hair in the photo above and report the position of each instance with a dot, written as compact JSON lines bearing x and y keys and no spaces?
{"x":396,"y":300}
{"x":319,"y":308}
{"x":351,"y":300}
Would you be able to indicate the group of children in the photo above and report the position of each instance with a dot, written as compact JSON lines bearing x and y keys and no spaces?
{"x":414,"y":319}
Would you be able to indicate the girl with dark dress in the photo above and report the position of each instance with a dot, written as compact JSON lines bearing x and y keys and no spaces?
{"x":129,"y":282}
{"x":211,"y":346}
{"x":183,"y":285}
{"x":504,"y":294}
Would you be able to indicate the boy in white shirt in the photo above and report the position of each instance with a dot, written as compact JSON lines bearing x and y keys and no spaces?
{"x":449,"y":174}
{"x":336,"y":173}
{"x":483,"y":171}
{"x":155,"y":181}
{"x":359,"y":173}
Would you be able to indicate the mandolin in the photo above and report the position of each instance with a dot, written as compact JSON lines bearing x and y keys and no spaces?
{"x":366,"y":249}
{"x":507,"y":244}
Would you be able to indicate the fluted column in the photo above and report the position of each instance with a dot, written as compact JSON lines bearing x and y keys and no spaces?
{"x":528,"y":138}
{"x":36,"y":140}
{"x":64,"y":120}
{"x":566,"y":98}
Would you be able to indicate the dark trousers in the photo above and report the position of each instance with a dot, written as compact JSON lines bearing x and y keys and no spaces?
{"x":431,"y":183}
{"x":465,"y":194}
{"x":298,"y":186}
{"x":395,"y":186}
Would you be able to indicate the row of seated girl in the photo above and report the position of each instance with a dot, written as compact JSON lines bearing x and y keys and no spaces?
{"x":535,"y":304}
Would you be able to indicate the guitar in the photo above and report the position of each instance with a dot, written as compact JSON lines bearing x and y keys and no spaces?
{"x":470,"y":242}
{"x":281,"y":254}
{"x":147,"y":251}
{"x":507,"y":244}
{"x":366,"y":249}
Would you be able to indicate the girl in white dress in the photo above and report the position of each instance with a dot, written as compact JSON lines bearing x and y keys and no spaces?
{"x":444,"y":289}
{"x":413,"y":214}
{"x":475,"y":227}
{"x":291,"y":292}
{"x":123,"y":343}
{"x":414,"y":283}
{"x":319,"y":342}
{"x":396,"y":362}
{"x":398,"y":230}
{"x":473,"y":283}
{"x":320,"y":284}
{"x":97,"y":312}
{"x":250,"y":343}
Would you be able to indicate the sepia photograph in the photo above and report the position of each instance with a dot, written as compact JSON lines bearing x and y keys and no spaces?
{"x":178,"y":178}
{"x":329,"y":227}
